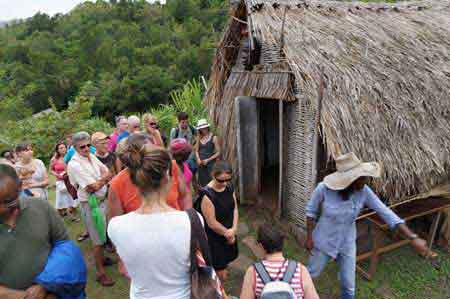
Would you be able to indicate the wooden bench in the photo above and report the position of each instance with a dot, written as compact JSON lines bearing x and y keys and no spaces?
{"x":407,"y":211}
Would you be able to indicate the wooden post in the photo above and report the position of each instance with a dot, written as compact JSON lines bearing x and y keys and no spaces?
{"x":316,"y":145}
{"x":281,"y":149}
{"x":433,"y":230}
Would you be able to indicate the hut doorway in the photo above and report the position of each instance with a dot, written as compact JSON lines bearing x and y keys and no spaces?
{"x":269,"y":152}
{"x":259,"y":148}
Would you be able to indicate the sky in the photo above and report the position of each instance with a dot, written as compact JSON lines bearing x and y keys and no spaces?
{"x":19,"y":9}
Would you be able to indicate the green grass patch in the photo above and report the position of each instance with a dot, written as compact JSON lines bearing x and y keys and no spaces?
{"x":401,"y":274}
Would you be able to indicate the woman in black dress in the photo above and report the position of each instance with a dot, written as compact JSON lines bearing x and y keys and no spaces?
{"x":219,"y":208}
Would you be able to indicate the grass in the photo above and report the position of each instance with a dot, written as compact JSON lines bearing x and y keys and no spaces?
{"x":401,"y":274}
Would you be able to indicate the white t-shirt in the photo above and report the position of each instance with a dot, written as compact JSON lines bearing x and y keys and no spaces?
{"x":155,"y":250}
{"x":36,"y":173}
{"x":83,"y":172}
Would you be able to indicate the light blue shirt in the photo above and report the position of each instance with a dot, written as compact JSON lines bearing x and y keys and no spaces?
{"x":335,"y":231}
{"x":71,"y":151}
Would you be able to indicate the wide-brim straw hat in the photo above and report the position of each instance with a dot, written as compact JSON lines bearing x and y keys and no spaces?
{"x":202,"y":124}
{"x":349,"y":169}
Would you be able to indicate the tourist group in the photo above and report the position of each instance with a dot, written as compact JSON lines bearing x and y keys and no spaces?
{"x":163,"y":209}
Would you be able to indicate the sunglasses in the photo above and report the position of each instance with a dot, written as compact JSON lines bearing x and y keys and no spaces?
{"x":152,"y":124}
{"x":10,"y":202}
{"x":84,"y":146}
{"x":224,"y":181}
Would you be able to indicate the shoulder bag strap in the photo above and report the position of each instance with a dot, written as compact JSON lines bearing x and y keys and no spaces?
{"x":262,"y":272}
{"x":198,"y":237}
{"x":290,"y":271}
{"x":192,"y":256}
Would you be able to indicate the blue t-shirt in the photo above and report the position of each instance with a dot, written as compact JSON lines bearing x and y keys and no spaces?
{"x":122,"y":136}
{"x":68,"y":156}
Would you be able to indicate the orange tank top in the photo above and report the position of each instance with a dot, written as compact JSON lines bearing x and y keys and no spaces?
{"x":173,"y":198}
{"x":130,"y":197}
{"x":128,"y":194}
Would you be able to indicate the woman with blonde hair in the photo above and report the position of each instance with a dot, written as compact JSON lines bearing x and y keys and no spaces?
{"x":151,"y":128}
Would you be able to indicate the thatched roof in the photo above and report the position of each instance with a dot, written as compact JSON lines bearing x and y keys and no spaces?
{"x":386,"y":71}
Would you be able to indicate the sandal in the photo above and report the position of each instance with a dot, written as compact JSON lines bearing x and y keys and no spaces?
{"x":109,"y":262}
{"x":82,"y":237}
{"x":74,"y":219}
{"x":105,"y":280}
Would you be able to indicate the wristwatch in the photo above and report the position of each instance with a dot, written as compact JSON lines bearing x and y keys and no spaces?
{"x":413,"y":237}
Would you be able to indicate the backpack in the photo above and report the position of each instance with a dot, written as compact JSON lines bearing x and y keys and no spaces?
{"x":177,"y":131}
{"x":65,"y":273}
{"x":279,"y":289}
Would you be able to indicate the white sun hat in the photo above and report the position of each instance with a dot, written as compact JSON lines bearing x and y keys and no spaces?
{"x":202,"y":124}
{"x":349,"y":169}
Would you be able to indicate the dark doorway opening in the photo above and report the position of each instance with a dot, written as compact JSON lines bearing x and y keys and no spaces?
{"x":269,"y":151}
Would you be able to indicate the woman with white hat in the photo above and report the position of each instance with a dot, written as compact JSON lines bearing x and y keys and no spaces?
{"x":331,"y":219}
{"x":207,"y":150}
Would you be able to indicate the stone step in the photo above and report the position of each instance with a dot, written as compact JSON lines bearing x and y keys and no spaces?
{"x":241,"y":263}
{"x":242,"y":230}
{"x":252,"y":244}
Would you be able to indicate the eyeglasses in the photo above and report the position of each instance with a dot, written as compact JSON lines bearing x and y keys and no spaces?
{"x":223,"y":181}
{"x":84,"y":146}
{"x":152,"y":124}
{"x":10,"y":202}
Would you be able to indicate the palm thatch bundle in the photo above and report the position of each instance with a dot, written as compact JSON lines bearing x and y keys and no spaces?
{"x":386,"y":75}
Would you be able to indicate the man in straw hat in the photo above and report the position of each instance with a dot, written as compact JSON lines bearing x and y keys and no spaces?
{"x":331,"y":219}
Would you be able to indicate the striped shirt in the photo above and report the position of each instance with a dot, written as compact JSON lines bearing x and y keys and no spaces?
{"x":276,"y":270}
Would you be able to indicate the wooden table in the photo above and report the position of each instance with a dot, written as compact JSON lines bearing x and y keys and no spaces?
{"x":407,"y":211}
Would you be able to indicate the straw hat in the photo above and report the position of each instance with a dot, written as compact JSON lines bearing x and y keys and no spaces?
{"x":98,"y":136}
{"x":349,"y":169}
{"x":202,"y":123}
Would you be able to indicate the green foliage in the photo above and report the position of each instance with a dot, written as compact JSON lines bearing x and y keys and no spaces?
{"x":46,"y":129}
{"x":132,"y":53}
{"x":187,"y":99}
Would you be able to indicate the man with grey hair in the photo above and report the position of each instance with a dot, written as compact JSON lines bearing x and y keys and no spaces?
{"x":134,"y":126}
{"x":90,"y":177}
{"x":120,"y":132}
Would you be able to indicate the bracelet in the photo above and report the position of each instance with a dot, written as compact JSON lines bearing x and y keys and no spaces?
{"x":413,"y":237}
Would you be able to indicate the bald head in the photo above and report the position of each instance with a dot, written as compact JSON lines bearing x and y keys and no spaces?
{"x":10,"y":185}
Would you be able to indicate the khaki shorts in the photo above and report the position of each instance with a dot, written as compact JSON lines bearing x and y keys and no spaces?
{"x":87,"y":218}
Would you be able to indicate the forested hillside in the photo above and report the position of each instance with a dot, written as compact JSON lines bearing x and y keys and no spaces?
{"x":128,"y":54}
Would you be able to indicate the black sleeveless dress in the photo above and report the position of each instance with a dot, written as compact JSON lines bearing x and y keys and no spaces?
{"x":222,"y":253}
{"x":204,"y":171}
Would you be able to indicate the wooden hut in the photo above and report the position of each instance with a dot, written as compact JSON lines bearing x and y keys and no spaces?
{"x":295,"y":83}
